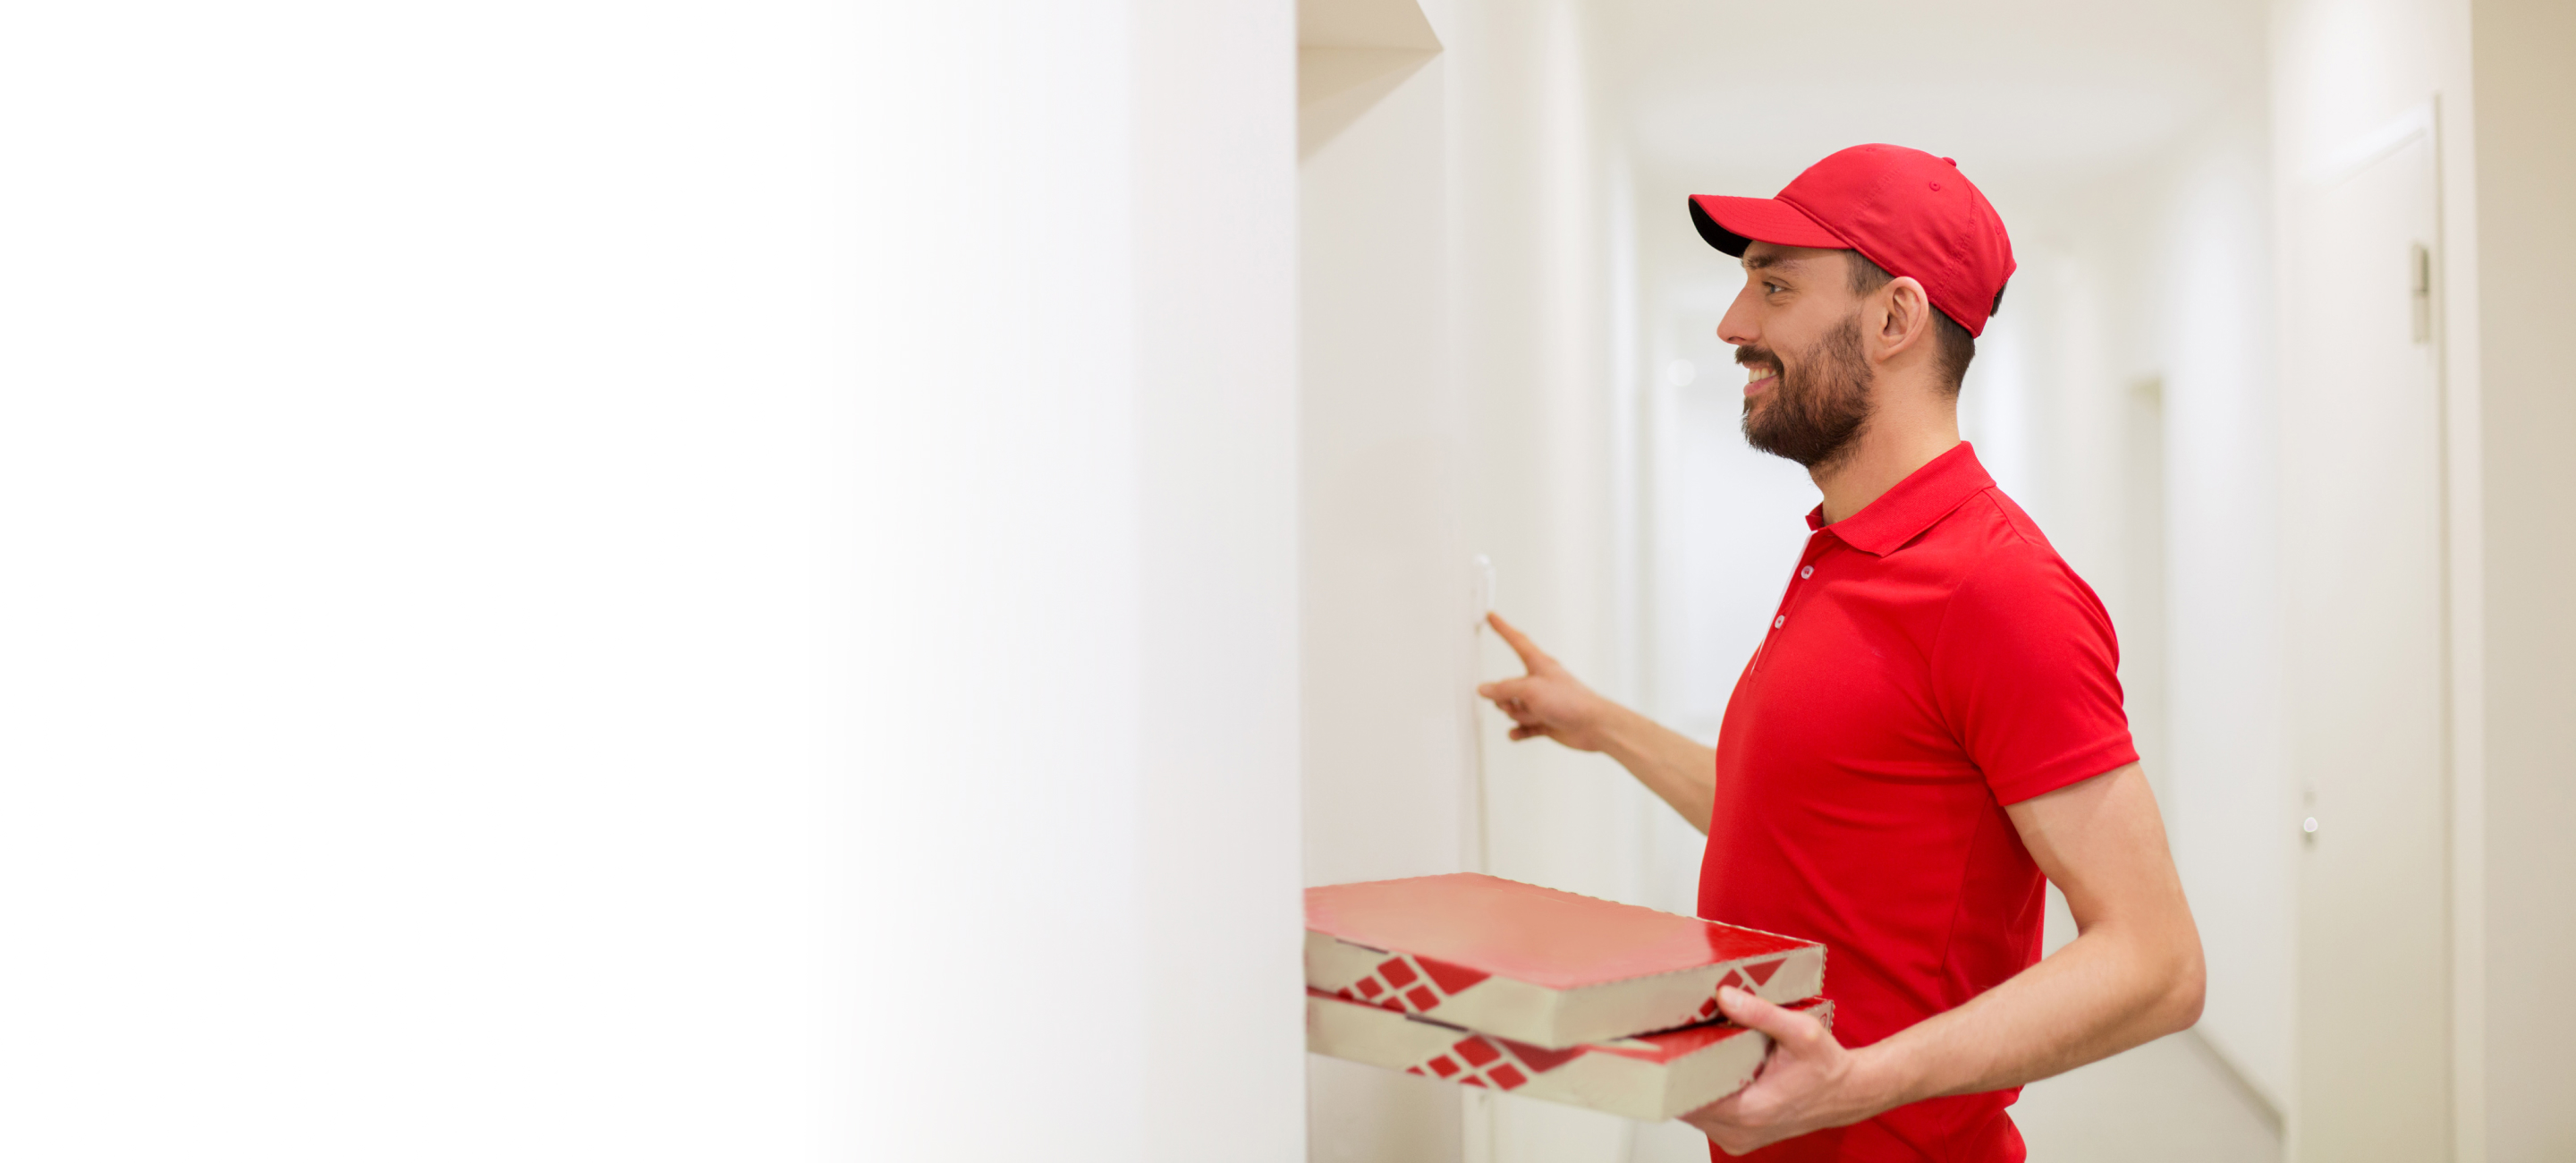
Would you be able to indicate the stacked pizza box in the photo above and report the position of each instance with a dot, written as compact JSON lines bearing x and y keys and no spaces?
{"x":1488,"y":982}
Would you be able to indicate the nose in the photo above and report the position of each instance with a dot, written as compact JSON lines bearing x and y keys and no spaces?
{"x":1737,"y":326}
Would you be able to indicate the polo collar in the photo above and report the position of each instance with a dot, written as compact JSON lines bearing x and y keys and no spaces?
{"x":1926,"y":495}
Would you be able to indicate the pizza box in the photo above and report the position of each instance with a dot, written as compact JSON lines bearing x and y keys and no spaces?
{"x":1650,"y":1078}
{"x":1548,"y":968}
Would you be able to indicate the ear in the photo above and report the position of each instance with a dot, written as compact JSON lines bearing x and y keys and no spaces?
{"x":1904,"y":318}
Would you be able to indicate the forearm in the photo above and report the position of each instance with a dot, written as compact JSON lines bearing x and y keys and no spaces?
{"x":1549,"y":703}
{"x":2106,"y":991}
{"x":2133,"y":974}
{"x":1682,"y":772}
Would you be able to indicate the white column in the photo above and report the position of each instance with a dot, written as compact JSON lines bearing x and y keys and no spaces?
{"x":1073,"y":909}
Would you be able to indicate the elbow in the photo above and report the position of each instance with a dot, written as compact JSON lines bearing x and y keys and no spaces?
{"x":2187,"y":987}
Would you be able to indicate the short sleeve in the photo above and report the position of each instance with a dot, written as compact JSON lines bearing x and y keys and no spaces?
{"x":2026,"y":672}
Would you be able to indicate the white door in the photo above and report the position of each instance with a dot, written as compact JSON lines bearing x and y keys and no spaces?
{"x":2363,"y":552}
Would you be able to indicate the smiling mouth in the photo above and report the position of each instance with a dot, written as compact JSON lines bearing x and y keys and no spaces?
{"x":1761,"y":382}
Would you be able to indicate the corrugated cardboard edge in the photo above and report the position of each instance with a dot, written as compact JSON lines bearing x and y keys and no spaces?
{"x":1628,"y":1087}
{"x":1808,"y":942}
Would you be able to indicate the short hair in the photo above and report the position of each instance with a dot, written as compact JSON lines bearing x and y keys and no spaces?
{"x":1952,"y":344}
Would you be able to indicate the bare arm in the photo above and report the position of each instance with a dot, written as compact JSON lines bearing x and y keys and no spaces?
{"x":1550,"y":703}
{"x":2132,"y":974}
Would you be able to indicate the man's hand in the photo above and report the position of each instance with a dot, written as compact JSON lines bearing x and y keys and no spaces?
{"x":1549,"y":702}
{"x":1808,"y":1083}
{"x":2133,"y":973}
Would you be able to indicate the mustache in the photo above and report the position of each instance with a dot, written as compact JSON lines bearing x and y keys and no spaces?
{"x":1752,"y":356}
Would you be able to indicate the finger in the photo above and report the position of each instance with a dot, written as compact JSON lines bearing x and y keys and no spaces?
{"x":1738,"y":1143}
{"x":1720,"y":1121}
{"x":1716,"y":1114}
{"x":1531,"y":655}
{"x":1513,"y":697}
{"x":1520,"y":733}
{"x":1786,"y":1026}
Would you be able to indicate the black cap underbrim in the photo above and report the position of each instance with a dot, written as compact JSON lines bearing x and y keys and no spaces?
{"x":1725,"y":240}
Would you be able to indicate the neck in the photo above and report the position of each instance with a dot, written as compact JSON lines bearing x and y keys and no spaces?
{"x":1909,"y":431}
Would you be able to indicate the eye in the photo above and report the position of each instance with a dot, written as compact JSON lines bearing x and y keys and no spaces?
{"x":1772,"y":288}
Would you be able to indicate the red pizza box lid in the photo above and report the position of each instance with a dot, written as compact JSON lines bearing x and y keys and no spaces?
{"x":1549,"y":968}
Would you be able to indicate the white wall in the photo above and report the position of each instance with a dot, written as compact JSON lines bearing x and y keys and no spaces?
{"x":2526,"y":143}
{"x":1388,"y":581}
{"x":1388,"y":635}
{"x":2342,"y":69}
{"x":1534,"y":358}
{"x":408,"y":482}
{"x":1456,"y":402}
{"x":1075,"y":661}
{"x":2161,"y":274}
{"x":2222,"y":591}
{"x":2196,"y":315}
{"x":694,"y":583}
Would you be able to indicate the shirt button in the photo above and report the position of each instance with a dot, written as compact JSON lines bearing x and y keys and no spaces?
{"x":1807,"y":571}
{"x":1780,"y":621}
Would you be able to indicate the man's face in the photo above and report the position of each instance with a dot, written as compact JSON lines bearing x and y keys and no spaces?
{"x":1796,"y":327}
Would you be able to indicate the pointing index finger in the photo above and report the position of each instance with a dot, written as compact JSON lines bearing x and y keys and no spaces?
{"x":1530,"y":654}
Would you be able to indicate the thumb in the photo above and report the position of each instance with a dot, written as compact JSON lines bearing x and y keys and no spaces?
{"x":1785,"y":1025}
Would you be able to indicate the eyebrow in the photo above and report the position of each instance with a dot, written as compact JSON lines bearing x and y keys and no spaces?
{"x":1757,"y":262}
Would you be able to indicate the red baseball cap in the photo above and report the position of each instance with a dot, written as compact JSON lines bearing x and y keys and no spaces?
{"x":1913,"y":214}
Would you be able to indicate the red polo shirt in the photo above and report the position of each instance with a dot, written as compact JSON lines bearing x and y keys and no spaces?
{"x":1933,"y":660}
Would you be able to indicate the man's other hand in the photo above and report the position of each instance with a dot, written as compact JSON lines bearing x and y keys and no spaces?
{"x":1548,"y":702}
{"x":1809,"y":1082}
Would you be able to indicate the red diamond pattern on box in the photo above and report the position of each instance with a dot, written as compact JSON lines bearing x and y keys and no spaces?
{"x":1535,"y":965}
{"x":1652,"y":1077}
{"x":1501,"y":1064}
{"x":1431,"y":983}
{"x":1750,"y":978}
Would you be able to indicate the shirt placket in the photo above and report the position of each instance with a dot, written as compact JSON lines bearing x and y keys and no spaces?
{"x":1798,"y":578}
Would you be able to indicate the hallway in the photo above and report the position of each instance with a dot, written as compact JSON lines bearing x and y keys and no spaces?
{"x":2167,"y":1101}
{"x":795,"y":581}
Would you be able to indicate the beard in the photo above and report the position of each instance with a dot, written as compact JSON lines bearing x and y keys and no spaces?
{"x":1818,"y":406}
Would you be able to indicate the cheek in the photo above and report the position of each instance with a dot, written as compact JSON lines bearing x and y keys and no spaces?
{"x":1795,"y":344}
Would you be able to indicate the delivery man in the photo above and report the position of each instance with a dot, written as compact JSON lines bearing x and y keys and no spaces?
{"x":1932,"y":723}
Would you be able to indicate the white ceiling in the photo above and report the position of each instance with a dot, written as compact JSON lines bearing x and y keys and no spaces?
{"x":2037,"y":96}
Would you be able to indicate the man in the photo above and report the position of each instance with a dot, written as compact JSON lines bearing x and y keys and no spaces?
{"x":1932,"y":722}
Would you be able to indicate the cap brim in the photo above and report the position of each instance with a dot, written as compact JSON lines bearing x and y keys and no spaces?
{"x":1730,"y":223}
